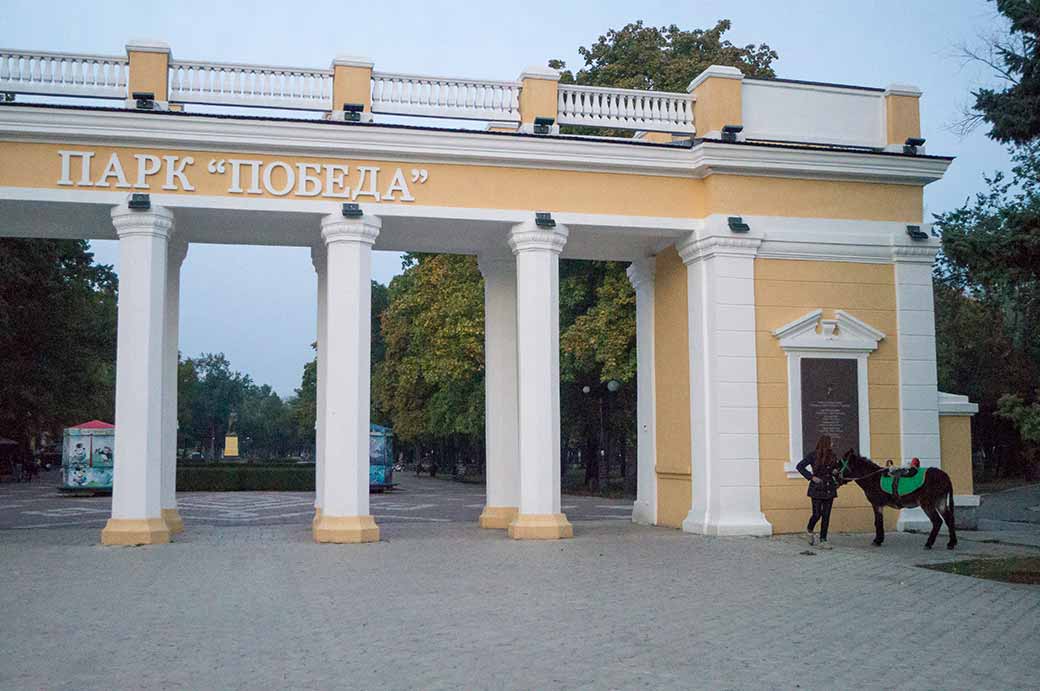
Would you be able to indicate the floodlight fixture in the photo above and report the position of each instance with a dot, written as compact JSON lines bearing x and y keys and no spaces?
{"x":730,"y":132}
{"x":544,"y":219}
{"x":352,"y":210}
{"x":145,"y":100}
{"x":912,"y":144}
{"x":6,"y":97}
{"x":139,"y":202}
{"x":352,"y":111}
{"x":737,"y":225}
{"x":916,"y":233}
{"x":543,"y":125}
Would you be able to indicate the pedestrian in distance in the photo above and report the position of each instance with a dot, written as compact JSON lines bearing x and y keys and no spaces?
{"x":820,"y":468}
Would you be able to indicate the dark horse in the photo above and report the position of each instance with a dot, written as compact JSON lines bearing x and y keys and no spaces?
{"x":935,"y":496}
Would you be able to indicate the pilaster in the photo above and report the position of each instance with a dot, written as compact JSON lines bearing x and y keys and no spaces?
{"x":539,"y":97}
{"x":352,"y":83}
{"x":719,"y":100}
{"x":902,"y":115}
{"x":641,"y":274}
{"x":149,"y":69}
{"x":177,"y":250}
{"x":726,"y":487}
{"x":501,"y":398}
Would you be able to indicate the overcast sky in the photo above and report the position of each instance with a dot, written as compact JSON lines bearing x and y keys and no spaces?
{"x":229,"y":301}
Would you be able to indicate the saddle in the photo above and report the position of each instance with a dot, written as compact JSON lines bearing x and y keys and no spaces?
{"x":901,"y":481}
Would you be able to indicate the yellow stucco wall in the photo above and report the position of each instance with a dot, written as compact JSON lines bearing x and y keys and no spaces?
{"x":902,"y":118}
{"x":538,"y":99}
{"x":784,"y":291}
{"x":955,"y":449}
{"x":719,"y":103}
{"x":752,"y":195}
{"x":351,"y":84}
{"x":149,"y":72}
{"x":672,"y":382}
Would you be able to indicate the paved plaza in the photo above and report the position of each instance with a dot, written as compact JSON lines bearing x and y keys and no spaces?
{"x":249,"y":601}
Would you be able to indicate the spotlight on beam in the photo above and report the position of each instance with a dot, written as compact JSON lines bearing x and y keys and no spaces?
{"x":916,"y":233}
{"x":352,"y":111}
{"x":544,"y":219}
{"x":737,"y":225}
{"x":351,"y":210}
{"x":912,"y":145}
{"x":139,"y":202}
{"x":730,"y":132}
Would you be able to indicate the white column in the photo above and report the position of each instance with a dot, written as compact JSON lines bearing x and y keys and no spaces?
{"x":918,"y":377}
{"x":537,"y":253}
{"x":723,"y":384}
{"x":502,"y":467}
{"x":344,"y":511}
{"x":318,"y":258}
{"x":137,"y":479}
{"x":176,"y":251}
{"x":641,"y":274}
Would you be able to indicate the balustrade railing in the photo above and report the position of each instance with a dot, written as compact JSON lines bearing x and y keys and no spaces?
{"x":63,"y":74}
{"x":655,"y":111}
{"x":444,"y":97}
{"x":250,"y":85}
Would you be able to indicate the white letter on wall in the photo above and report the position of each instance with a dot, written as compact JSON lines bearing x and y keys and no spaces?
{"x":173,"y":170}
{"x":144,"y":170}
{"x":334,"y":174}
{"x":290,"y":178}
{"x":84,"y":176}
{"x":309,"y":185}
{"x":399,"y":184}
{"x":373,"y":182}
{"x":114,"y":169}
{"x":236,"y":176}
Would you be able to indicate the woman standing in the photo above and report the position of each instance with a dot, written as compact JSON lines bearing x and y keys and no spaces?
{"x":823,"y":487}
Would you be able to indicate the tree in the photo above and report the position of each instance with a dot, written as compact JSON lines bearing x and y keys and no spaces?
{"x":57,"y":337}
{"x":1013,"y":112}
{"x":663,"y":58}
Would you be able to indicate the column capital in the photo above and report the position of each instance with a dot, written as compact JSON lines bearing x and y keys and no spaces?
{"x":336,"y":228}
{"x":528,"y":237}
{"x":918,"y":253}
{"x":156,"y":221}
{"x":695,"y":248}
{"x":495,"y":263}
{"x":642,"y":271}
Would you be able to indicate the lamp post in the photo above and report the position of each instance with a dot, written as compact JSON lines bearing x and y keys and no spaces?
{"x":602,"y":468}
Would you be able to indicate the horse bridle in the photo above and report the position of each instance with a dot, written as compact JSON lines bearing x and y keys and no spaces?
{"x":845,"y":466}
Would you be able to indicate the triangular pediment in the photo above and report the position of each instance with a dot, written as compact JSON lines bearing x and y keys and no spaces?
{"x":843,"y":333}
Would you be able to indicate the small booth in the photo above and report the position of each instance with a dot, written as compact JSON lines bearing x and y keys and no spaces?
{"x":380,"y":457}
{"x":86,"y":457}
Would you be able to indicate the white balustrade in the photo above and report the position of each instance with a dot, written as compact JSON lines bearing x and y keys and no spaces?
{"x":444,"y":97}
{"x":63,"y":74}
{"x":632,"y":109}
{"x":229,"y":84}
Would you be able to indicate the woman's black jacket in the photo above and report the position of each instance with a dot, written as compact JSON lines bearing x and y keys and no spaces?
{"x":827,"y":488}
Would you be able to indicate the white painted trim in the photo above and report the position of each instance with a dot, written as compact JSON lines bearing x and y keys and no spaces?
{"x":148,"y":46}
{"x":539,"y":72}
{"x":903,"y":90}
{"x":717,"y":72}
{"x":351,"y":61}
{"x":811,"y":86}
{"x":956,"y":404}
{"x":843,"y":337}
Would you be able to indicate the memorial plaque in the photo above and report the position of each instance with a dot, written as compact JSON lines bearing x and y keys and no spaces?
{"x":830,"y":403}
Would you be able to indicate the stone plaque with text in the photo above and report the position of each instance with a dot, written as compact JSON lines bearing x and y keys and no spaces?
{"x":830,"y":403}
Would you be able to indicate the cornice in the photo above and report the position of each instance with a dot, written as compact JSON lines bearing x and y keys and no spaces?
{"x":323,"y":139}
{"x":528,"y":237}
{"x":156,"y":221}
{"x":337,"y":228}
{"x":695,"y":248}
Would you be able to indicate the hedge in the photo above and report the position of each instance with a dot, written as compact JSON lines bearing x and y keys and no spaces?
{"x":243,"y":477}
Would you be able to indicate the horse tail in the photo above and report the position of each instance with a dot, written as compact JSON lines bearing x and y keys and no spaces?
{"x":949,"y":498}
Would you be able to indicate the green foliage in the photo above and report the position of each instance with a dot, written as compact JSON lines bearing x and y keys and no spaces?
{"x":57,"y":337}
{"x":1025,"y":416}
{"x":664,"y":58}
{"x":1014,"y":112}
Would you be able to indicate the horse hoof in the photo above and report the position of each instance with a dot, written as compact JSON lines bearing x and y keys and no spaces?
{"x":927,"y":546}
{"x":876,"y":543}
{"x":951,"y":545}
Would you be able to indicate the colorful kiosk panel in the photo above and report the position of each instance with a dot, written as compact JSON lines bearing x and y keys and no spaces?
{"x":87,"y":455}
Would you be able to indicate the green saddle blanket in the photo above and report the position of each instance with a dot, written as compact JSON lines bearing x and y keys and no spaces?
{"x":906,"y":484}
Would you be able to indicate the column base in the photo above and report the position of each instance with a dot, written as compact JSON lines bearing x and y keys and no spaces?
{"x":172,"y":519}
{"x":915,"y":519}
{"x":345,"y":529}
{"x":540,"y":526}
{"x":135,"y":531}
{"x":753,"y":525}
{"x":317,"y":517}
{"x":498,"y":517}
{"x":643,"y":513}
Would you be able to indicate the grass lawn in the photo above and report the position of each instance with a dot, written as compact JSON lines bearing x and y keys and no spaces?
{"x":1010,"y":570}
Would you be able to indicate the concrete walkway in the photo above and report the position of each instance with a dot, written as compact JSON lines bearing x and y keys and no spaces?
{"x":448,"y":605}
